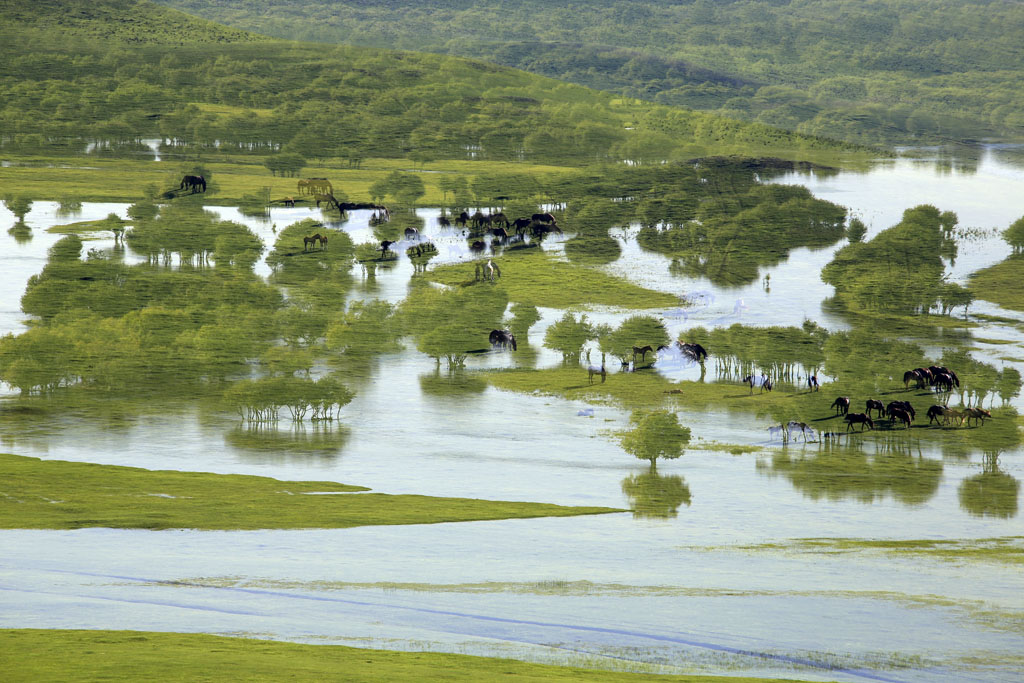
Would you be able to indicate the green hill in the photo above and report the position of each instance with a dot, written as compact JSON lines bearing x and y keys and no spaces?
{"x":63,"y":86}
{"x":132,"y":21}
{"x":886,"y":70}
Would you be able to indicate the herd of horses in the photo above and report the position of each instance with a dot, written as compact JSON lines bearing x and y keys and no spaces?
{"x":498,"y":225}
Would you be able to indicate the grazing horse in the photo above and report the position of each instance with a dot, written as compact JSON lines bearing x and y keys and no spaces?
{"x":912,"y":376}
{"x":499,"y":219}
{"x":766,"y":383}
{"x":315,"y":239}
{"x":778,"y":431}
{"x":812,"y":383}
{"x":443,"y":222}
{"x":385,"y":245}
{"x":491,"y":272}
{"x":939,"y":370}
{"x":751,"y":381}
{"x":477,"y":247}
{"x":594,"y":370}
{"x":842,"y":405}
{"x":478,"y":219}
{"x":694,"y":351}
{"x":858,"y":418}
{"x":901,"y":415}
{"x":502,"y":339}
{"x":642,"y":350}
{"x":943,"y":382}
{"x":411,"y":233}
{"x":546,"y":218}
{"x":520,"y":225}
{"x":193,"y":182}
{"x":873,"y":404}
{"x":462,"y":219}
{"x":977,"y":414}
{"x":500,"y":234}
{"x":936,"y":412}
{"x":303,"y":186}
{"x":900,"y":405}
{"x":802,"y":427}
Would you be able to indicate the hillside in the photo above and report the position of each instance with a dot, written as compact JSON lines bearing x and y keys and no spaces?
{"x":62,"y":88}
{"x":133,"y":21}
{"x":888,"y":70}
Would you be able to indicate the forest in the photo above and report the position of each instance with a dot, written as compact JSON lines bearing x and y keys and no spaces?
{"x":228,"y":93}
{"x":897,"y":71}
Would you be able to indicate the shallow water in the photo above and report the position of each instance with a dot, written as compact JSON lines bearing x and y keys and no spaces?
{"x":719,"y":609}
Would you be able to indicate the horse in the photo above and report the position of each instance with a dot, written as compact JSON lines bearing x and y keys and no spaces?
{"x":500,"y":234}
{"x":307,"y":241}
{"x":873,"y":404}
{"x":943,"y":382}
{"x":694,"y":351}
{"x":936,"y":412}
{"x":462,"y":219}
{"x":842,"y":405}
{"x":956,"y":414}
{"x":323,"y":241}
{"x":502,"y":339}
{"x":543,"y":218}
{"x":766,"y":384}
{"x":478,"y":219}
{"x":642,"y":350}
{"x":900,"y":405}
{"x":289,"y":201}
{"x":901,"y":415}
{"x":778,"y":430}
{"x":499,"y":219}
{"x":594,"y":370}
{"x":977,"y":414}
{"x":812,"y":383}
{"x":801,"y":427}
{"x":751,"y":381}
{"x":521,"y":224}
{"x":858,"y":418}
{"x":193,"y":182}
{"x":477,"y":247}
{"x":491,"y":272}
{"x":303,"y":186}
{"x":411,"y":233}
{"x":912,"y":376}
{"x":940,"y":370}
{"x":384,"y":246}
{"x":443,"y":222}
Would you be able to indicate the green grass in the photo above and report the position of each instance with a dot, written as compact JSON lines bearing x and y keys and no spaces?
{"x":534,"y":277}
{"x":1001,"y":284}
{"x":1007,"y":550}
{"x":53,"y":494}
{"x":91,"y":179}
{"x":65,"y":655}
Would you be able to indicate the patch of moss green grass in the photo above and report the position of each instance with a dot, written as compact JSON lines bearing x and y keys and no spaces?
{"x":1008,"y":550}
{"x":87,"y":178}
{"x":646,"y":389}
{"x":536,"y":278}
{"x":53,"y":494}
{"x":1001,"y":283}
{"x":66,"y":655}
{"x":99,"y":225}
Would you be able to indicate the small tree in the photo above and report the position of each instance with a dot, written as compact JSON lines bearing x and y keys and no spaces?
{"x":285,"y":164}
{"x":856,"y":230}
{"x":1014,"y":235}
{"x":655,"y":435}
{"x":568,"y":335}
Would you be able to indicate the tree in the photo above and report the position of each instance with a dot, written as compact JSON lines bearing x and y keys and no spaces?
{"x":406,"y":188}
{"x":856,"y":230}
{"x":285,"y":164}
{"x":568,"y":335}
{"x":654,"y":435}
{"x":1014,"y":235}
{"x":638,"y":330}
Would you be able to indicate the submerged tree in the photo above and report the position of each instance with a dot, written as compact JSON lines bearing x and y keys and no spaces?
{"x":656,"y":496}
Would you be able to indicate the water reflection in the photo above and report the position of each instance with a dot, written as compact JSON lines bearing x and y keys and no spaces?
{"x":993,"y":493}
{"x":842,"y":473}
{"x":453,"y":383}
{"x":272,"y":443}
{"x":655,"y":496}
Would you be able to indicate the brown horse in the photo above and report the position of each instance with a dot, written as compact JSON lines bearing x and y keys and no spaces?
{"x":901,"y":415}
{"x":873,"y":404}
{"x":977,"y":414}
{"x":318,"y":239}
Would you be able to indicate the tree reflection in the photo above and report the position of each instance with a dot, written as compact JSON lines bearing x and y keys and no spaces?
{"x":263,"y":441}
{"x":993,"y":493}
{"x":654,"y":496}
{"x":848,"y":474}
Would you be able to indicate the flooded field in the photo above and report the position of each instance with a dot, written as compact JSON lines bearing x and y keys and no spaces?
{"x":715,"y":576}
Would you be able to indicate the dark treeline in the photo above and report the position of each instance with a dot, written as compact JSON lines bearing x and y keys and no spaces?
{"x":62,"y":88}
{"x":893,"y":70}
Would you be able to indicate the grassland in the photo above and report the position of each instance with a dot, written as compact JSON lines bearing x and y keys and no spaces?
{"x":128,"y":180}
{"x":53,"y":494}
{"x":537,"y":278}
{"x":1002,"y":283}
{"x":64,"y":655}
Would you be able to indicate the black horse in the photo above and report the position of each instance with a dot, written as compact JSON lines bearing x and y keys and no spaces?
{"x":503,"y":339}
{"x":521,"y":224}
{"x":194,"y":183}
{"x":858,"y":418}
{"x":874,"y":404}
{"x":936,"y":412}
{"x":694,"y":351}
{"x":462,"y":219}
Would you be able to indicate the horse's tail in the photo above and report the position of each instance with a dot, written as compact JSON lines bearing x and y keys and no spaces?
{"x":513,"y":338}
